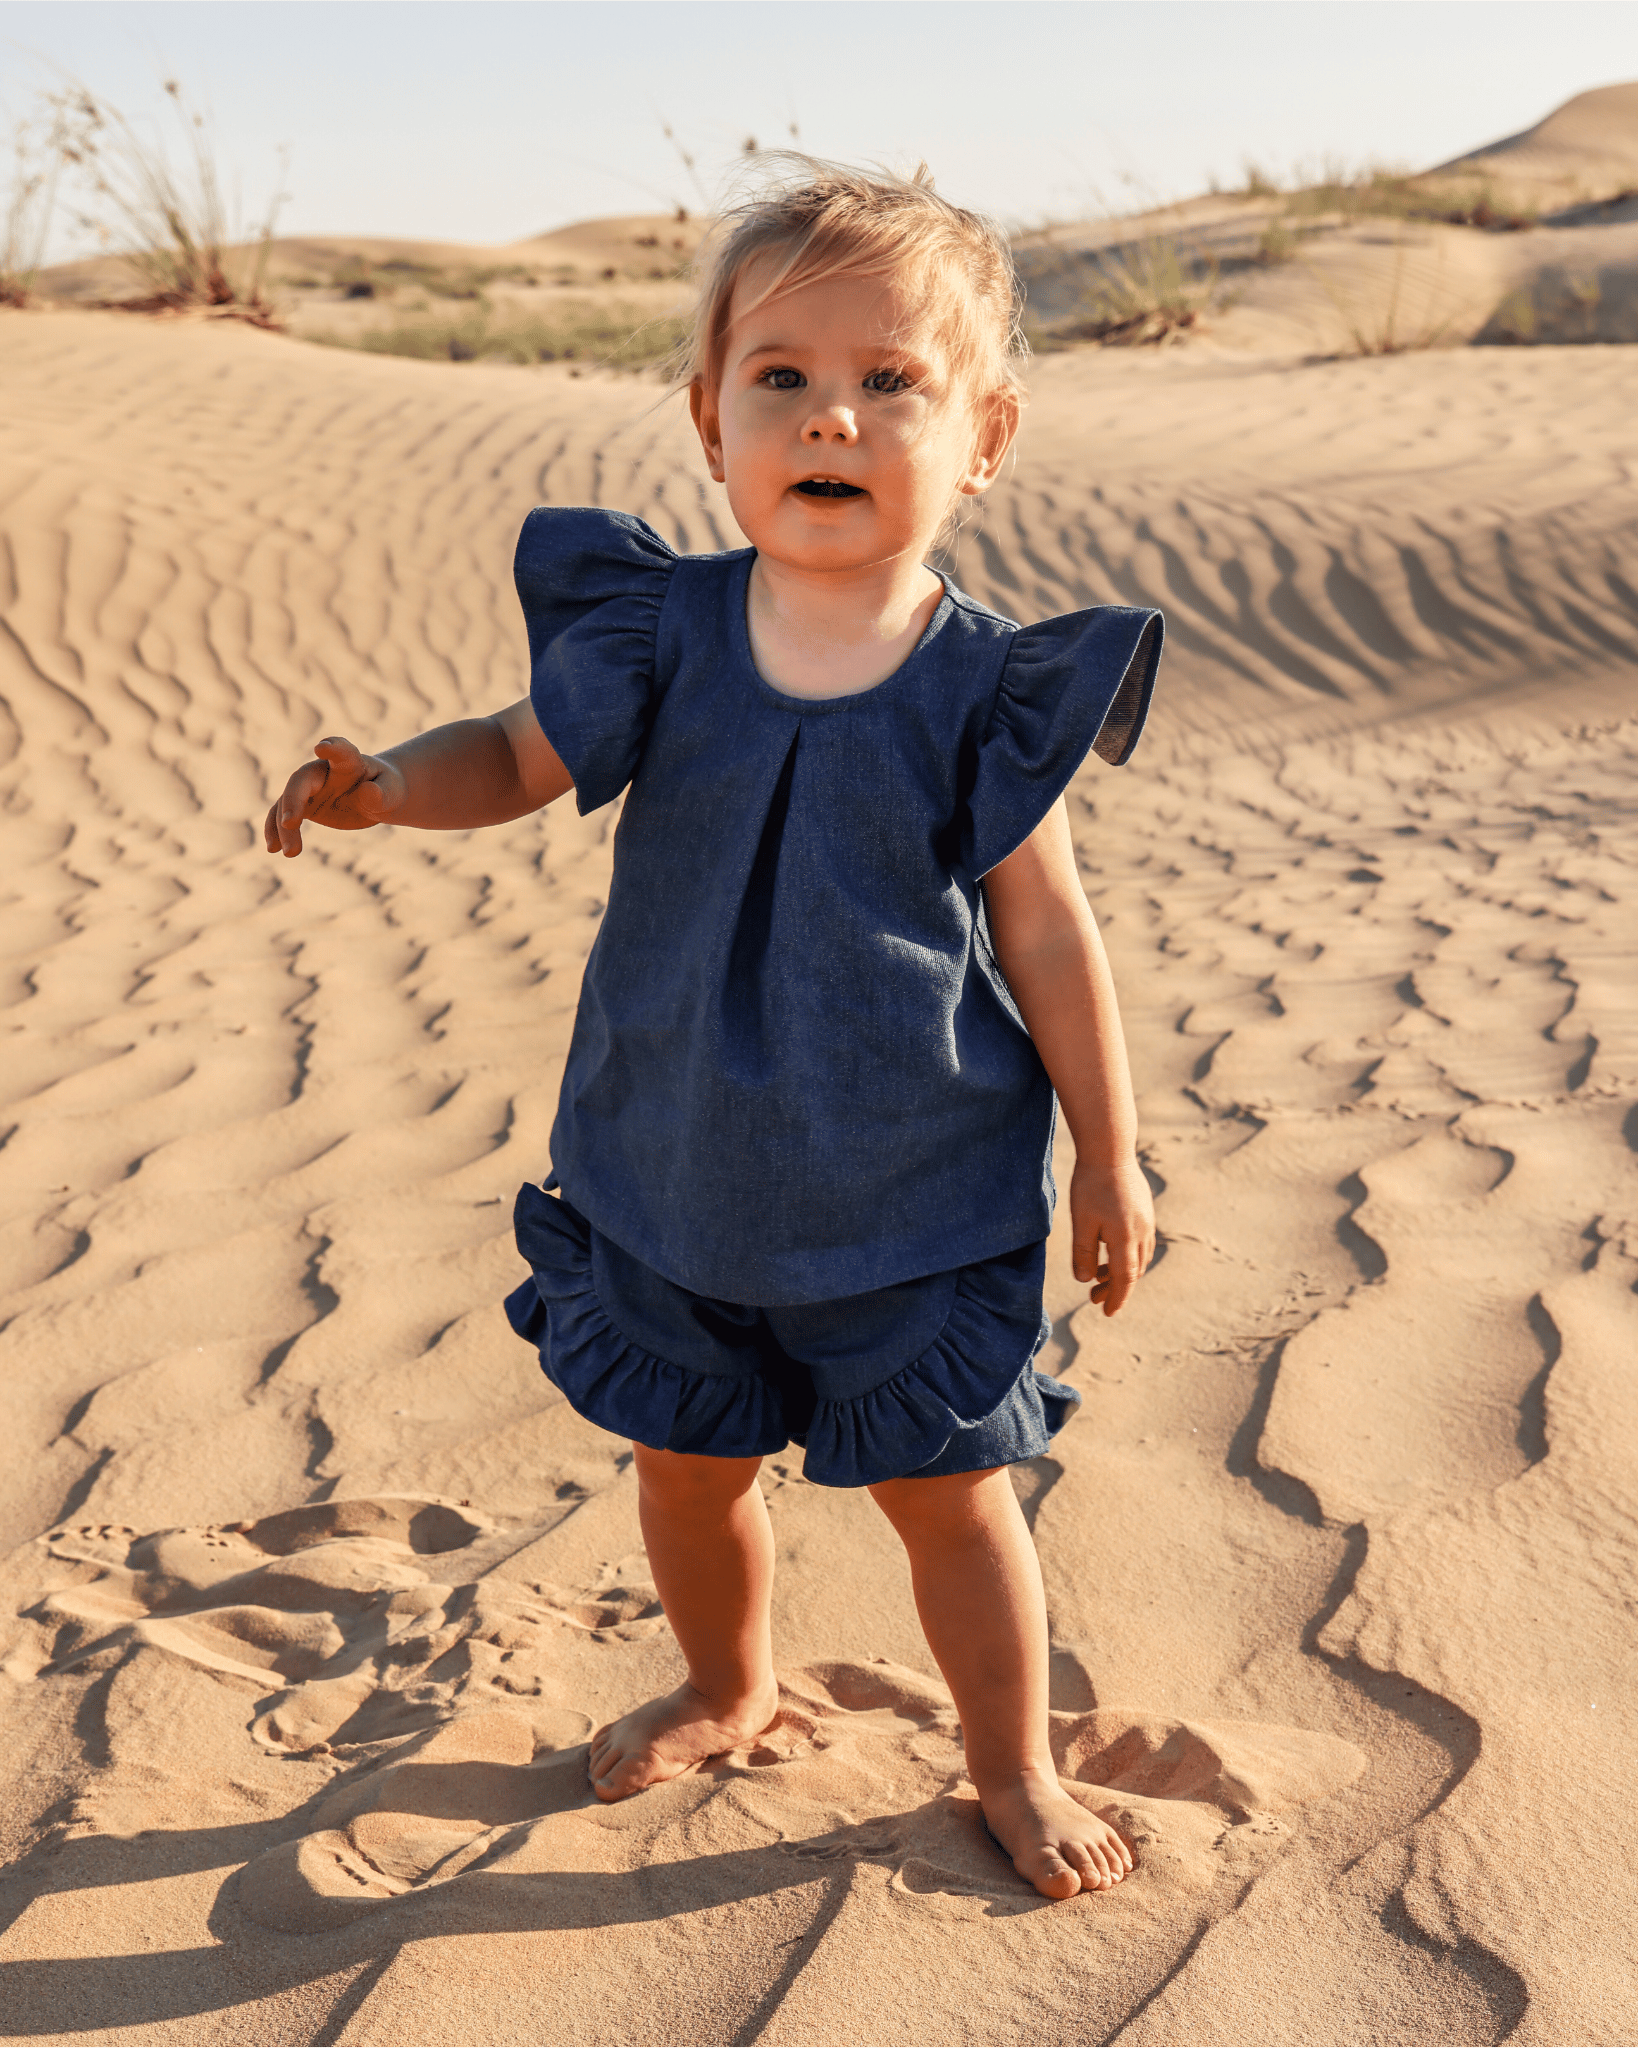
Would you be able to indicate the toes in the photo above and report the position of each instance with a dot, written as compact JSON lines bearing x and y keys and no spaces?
{"x":1083,"y":1860}
{"x":1052,"y":1876}
{"x":614,"y":1778}
{"x":1118,"y":1855}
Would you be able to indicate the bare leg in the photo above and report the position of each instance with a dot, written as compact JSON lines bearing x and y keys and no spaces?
{"x":978,"y":1592}
{"x":711,"y":1552}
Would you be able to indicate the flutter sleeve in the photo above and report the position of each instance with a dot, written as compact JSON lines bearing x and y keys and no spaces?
{"x":1071,"y":686}
{"x":591,"y":584}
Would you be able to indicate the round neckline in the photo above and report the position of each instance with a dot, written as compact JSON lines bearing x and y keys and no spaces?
{"x":804,"y":705}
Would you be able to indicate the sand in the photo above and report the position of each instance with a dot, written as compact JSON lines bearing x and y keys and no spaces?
{"x":314,"y":1587}
{"x":1585,"y":150}
{"x":627,"y":274}
{"x":1531,"y":240}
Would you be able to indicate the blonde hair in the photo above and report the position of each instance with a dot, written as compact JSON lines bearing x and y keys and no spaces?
{"x":819,"y":220}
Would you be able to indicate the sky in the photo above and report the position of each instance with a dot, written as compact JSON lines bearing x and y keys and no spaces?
{"x":489,"y":120}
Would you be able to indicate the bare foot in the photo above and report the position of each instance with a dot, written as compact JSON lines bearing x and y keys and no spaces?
{"x":1052,"y":1839}
{"x":665,"y":1737}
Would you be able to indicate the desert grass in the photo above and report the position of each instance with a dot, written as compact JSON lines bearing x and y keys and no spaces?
{"x":171,"y":228}
{"x":55,"y":139}
{"x":1384,"y":330}
{"x":1560,"y":306}
{"x":1278,"y":243}
{"x":1378,"y":194}
{"x":604,"y":337}
{"x":356,"y":277}
{"x":1143,"y":293}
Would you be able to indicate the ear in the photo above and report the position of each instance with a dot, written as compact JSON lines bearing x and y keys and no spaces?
{"x":702,"y":405}
{"x":998,"y":416}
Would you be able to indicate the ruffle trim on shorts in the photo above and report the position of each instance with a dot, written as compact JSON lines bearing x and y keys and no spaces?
{"x":940,"y":1414}
{"x":610,"y":1380}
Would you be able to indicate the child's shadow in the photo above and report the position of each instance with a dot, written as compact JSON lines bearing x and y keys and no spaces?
{"x":149,"y":1990}
{"x":463,"y":1831}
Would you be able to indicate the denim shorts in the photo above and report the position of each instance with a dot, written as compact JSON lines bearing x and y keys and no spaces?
{"x":930,"y":1377}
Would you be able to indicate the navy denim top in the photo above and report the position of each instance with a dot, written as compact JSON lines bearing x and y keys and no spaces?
{"x":796,"y":1071}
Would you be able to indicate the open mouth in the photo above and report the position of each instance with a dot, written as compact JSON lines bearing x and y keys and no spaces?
{"x":828,"y":487}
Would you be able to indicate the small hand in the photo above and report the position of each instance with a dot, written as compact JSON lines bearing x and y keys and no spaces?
{"x":343,"y":788}
{"x":1112,"y":1206}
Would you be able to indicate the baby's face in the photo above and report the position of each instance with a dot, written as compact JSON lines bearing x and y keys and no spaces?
{"x":840,"y":435}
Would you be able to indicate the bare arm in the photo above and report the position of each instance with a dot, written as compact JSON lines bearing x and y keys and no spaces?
{"x":1052,"y":955}
{"x":478,"y":771}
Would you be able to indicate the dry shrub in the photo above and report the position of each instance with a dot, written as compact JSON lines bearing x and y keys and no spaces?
{"x":1392,"y":195}
{"x":1560,"y":306}
{"x":1384,"y":330}
{"x":170,"y":227}
{"x":1145,"y":292}
{"x":356,"y":277}
{"x":1277,"y":244}
{"x":55,"y":139}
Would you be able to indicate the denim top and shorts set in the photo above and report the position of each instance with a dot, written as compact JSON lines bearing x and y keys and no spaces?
{"x":803,"y":1148}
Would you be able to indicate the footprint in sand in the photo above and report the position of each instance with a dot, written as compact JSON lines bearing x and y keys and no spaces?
{"x":475,"y":1801}
{"x":381,"y":1641}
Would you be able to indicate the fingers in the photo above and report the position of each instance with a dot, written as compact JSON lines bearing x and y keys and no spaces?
{"x":345,"y":756}
{"x":301,"y":793}
{"x":1113,"y":1278}
{"x":339,"y":788}
{"x":364,"y":788}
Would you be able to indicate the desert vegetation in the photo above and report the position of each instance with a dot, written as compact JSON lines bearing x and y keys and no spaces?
{"x":52,"y":141}
{"x":149,"y":194}
{"x":607,"y":336}
{"x":170,"y":227}
{"x":1146,"y":292}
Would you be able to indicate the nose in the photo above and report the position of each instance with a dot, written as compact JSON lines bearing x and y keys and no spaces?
{"x":831,"y":424}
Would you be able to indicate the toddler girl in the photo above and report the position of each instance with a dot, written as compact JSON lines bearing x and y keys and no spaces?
{"x":802,"y":1159}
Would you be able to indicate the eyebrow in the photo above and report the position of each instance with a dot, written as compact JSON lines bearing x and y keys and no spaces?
{"x":884,"y":349}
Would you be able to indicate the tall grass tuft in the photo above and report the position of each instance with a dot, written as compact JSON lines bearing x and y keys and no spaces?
{"x":170,"y":227}
{"x":1144,"y":292}
{"x":1559,"y":305}
{"x":174,"y":230}
{"x":1384,"y":331}
{"x":56,"y":139}
{"x":1380,"y":194}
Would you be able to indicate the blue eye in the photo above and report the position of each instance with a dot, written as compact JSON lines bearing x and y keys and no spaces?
{"x":887,"y":383}
{"x":783,"y":379}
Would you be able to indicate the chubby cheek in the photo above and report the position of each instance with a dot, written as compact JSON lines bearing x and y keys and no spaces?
{"x":753,"y":467}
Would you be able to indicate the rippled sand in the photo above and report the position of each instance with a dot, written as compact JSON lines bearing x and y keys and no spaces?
{"x":317,"y":1587}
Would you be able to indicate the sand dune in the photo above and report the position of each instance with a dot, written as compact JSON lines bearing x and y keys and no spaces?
{"x":624,"y":272}
{"x":1586,"y":149}
{"x":1432,"y":261}
{"x":1533,"y":240}
{"x":314,"y":1586}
